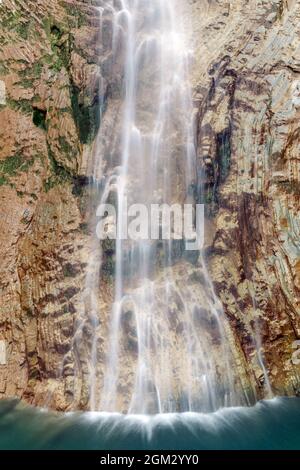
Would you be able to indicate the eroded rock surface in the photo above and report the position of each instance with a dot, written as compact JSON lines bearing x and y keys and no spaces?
{"x":56,"y":71}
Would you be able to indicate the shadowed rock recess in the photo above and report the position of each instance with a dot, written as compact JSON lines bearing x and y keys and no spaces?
{"x":60,"y":100}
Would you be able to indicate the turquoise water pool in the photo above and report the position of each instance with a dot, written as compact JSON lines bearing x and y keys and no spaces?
{"x":273,"y":424}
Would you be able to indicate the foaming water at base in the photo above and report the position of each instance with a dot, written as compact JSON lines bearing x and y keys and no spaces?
{"x":271,"y":424}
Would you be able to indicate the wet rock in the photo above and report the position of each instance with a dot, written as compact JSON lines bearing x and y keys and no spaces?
{"x":57,"y":74}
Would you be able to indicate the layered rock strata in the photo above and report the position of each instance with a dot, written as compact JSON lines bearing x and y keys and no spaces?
{"x":58,"y":85}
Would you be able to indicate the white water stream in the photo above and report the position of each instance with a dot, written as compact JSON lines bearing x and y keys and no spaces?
{"x":167,"y":347}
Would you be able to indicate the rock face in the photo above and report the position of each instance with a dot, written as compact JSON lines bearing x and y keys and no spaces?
{"x":56,"y":80}
{"x":248,"y":147}
{"x":49,"y":117}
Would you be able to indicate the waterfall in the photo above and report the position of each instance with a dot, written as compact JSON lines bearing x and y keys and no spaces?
{"x":167,"y":347}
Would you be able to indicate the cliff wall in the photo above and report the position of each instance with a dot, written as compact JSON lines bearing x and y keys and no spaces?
{"x":56,"y":72}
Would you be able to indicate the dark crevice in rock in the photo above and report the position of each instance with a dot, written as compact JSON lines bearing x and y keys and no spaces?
{"x":87,"y":117}
{"x":79,"y":184}
{"x":39,"y":117}
{"x":223,"y":154}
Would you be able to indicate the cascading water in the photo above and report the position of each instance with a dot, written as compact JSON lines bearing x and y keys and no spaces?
{"x":166,"y":346}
